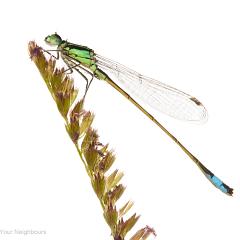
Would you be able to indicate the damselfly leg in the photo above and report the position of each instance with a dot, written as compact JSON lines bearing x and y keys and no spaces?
{"x":78,"y":67}
{"x":73,"y":65}
{"x":48,"y":52}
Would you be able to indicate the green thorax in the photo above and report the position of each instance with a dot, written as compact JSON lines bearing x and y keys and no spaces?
{"x":78,"y":53}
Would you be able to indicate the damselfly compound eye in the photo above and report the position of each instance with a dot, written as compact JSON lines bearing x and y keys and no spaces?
{"x":53,"y":40}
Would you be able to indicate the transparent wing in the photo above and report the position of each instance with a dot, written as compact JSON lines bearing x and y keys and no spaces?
{"x":160,"y":96}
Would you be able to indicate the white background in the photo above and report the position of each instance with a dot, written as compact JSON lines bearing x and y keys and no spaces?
{"x":192,"y":45}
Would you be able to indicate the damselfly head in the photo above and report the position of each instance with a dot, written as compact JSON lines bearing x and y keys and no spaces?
{"x":53,"y":39}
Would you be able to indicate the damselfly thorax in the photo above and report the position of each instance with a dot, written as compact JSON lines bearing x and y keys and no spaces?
{"x":77,"y":55}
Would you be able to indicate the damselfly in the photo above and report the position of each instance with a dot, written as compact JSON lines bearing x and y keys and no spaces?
{"x":135,"y":86}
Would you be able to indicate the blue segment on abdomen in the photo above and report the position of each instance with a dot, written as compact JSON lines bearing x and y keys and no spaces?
{"x":217,"y":183}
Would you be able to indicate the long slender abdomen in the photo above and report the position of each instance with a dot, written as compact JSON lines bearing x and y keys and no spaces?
{"x":207,"y":173}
